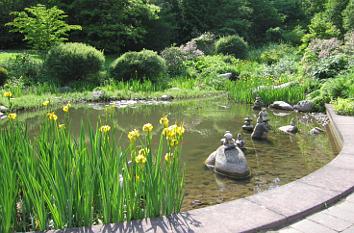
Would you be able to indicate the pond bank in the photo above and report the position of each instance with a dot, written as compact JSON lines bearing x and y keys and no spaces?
{"x":33,"y":102}
{"x":268,"y":210}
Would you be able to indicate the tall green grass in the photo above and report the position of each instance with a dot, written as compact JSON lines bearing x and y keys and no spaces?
{"x":56,"y":181}
{"x":245,"y":91}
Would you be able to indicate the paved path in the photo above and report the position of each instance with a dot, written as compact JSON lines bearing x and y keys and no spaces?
{"x":338,"y":218}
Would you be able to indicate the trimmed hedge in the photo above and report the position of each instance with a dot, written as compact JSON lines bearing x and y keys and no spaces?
{"x":142,"y":65}
{"x":73,"y":62}
{"x":232,"y":45}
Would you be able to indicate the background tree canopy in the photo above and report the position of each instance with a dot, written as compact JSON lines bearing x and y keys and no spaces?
{"x":116,"y":26}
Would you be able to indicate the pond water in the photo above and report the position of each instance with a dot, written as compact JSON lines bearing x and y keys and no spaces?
{"x":282,"y":159}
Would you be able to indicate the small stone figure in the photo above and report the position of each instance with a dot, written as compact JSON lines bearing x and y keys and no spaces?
{"x":240,"y":142}
{"x":261,"y":130}
{"x":228,"y":160}
{"x":247,"y":125}
{"x":228,"y":142}
{"x":258,"y":104}
{"x":264,"y":116}
{"x":291,"y":129}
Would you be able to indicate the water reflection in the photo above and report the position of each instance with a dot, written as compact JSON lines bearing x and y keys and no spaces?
{"x":280,"y":160}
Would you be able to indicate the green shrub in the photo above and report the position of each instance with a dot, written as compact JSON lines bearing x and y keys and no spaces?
{"x":3,"y":75}
{"x":274,"y":52}
{"x":232,"y":45}
{"x":294,"y":36}
{"x":208,"y":68}
{"x":142,"y":65}
{"x":25,"y":66}
{"x":74,"y":62}
{"x":274,"y":34}
{"x":174,"y":58}
{"x":329,"y":67}
{"x":205,"y":43}
{"x":344,"y":106}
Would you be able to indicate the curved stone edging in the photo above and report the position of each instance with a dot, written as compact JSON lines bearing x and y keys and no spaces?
{"x":267,"y":210}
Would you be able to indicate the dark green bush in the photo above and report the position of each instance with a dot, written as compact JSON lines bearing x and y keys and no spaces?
{"x":74,"y":62}
{"x":232,"y":45}
{"x":25,"y":66}
{"x":142,"y":65}
{"x":3,"y":75}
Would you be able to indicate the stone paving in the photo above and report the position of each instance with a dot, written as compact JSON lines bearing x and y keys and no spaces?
{"x":338,"y":218}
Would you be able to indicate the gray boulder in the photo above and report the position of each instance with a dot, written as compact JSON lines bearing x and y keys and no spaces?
{"x":166,"y":98}
{"x":3,"y":109}
{"x":304,"y":106}
{"x":290,"y":129}
{"x":281,"y":105}
{"x":98,"y":94}
{"x":316,"y":131}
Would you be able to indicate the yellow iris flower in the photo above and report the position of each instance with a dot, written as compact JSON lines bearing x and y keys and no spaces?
{"x":148,"y":127}
{"x":133,"y":135}
{"x":12,"y":116}
{"x":164,"y":121}
{"x":46,"y":103}
{"x":105,"y":128}
{"x":52,"y":116}
{"x":7,"y":94}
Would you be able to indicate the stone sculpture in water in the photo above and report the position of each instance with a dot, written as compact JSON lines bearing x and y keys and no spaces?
{"x":228,"y":160}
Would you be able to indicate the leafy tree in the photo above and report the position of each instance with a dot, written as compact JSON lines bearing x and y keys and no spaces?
{"x":311,"y":7}
{"x":348,"y":16}
{"x":8,"y":39}
{"x":334,"y":9}
{"x":320,"y":27}
{"x":264,"y":16}
{"x":233,"y":17}
{"x":167,"y":26}
{"x":112,"y":25}
{"x":42,"y":27}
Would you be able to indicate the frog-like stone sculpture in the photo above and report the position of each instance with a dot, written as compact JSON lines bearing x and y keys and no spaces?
{"x":264,"y":116}
{"x":261,"y":130}
{"x":240,"y":143}
{"x":228,"y":160}
{"x":247,"y":125}
{"x":258,"y":104}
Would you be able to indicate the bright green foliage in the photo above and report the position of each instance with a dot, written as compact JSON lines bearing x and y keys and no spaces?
{"x":334,"y":9}
{"x":321,"y":27}
{"x":232,"y":45}
{"x":348,"y":16}
{"x":42,"y":27}
{"x":275,"y":52}
{"x":65,"y":181}
{"x":73,"y":62}
{"x":344,"y":106}
{"x":245,"y":91}
{"x":142,"y":65}
{"x":3,"y":75}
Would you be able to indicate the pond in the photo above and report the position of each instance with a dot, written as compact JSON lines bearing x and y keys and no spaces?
{"x":280,"y":160}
